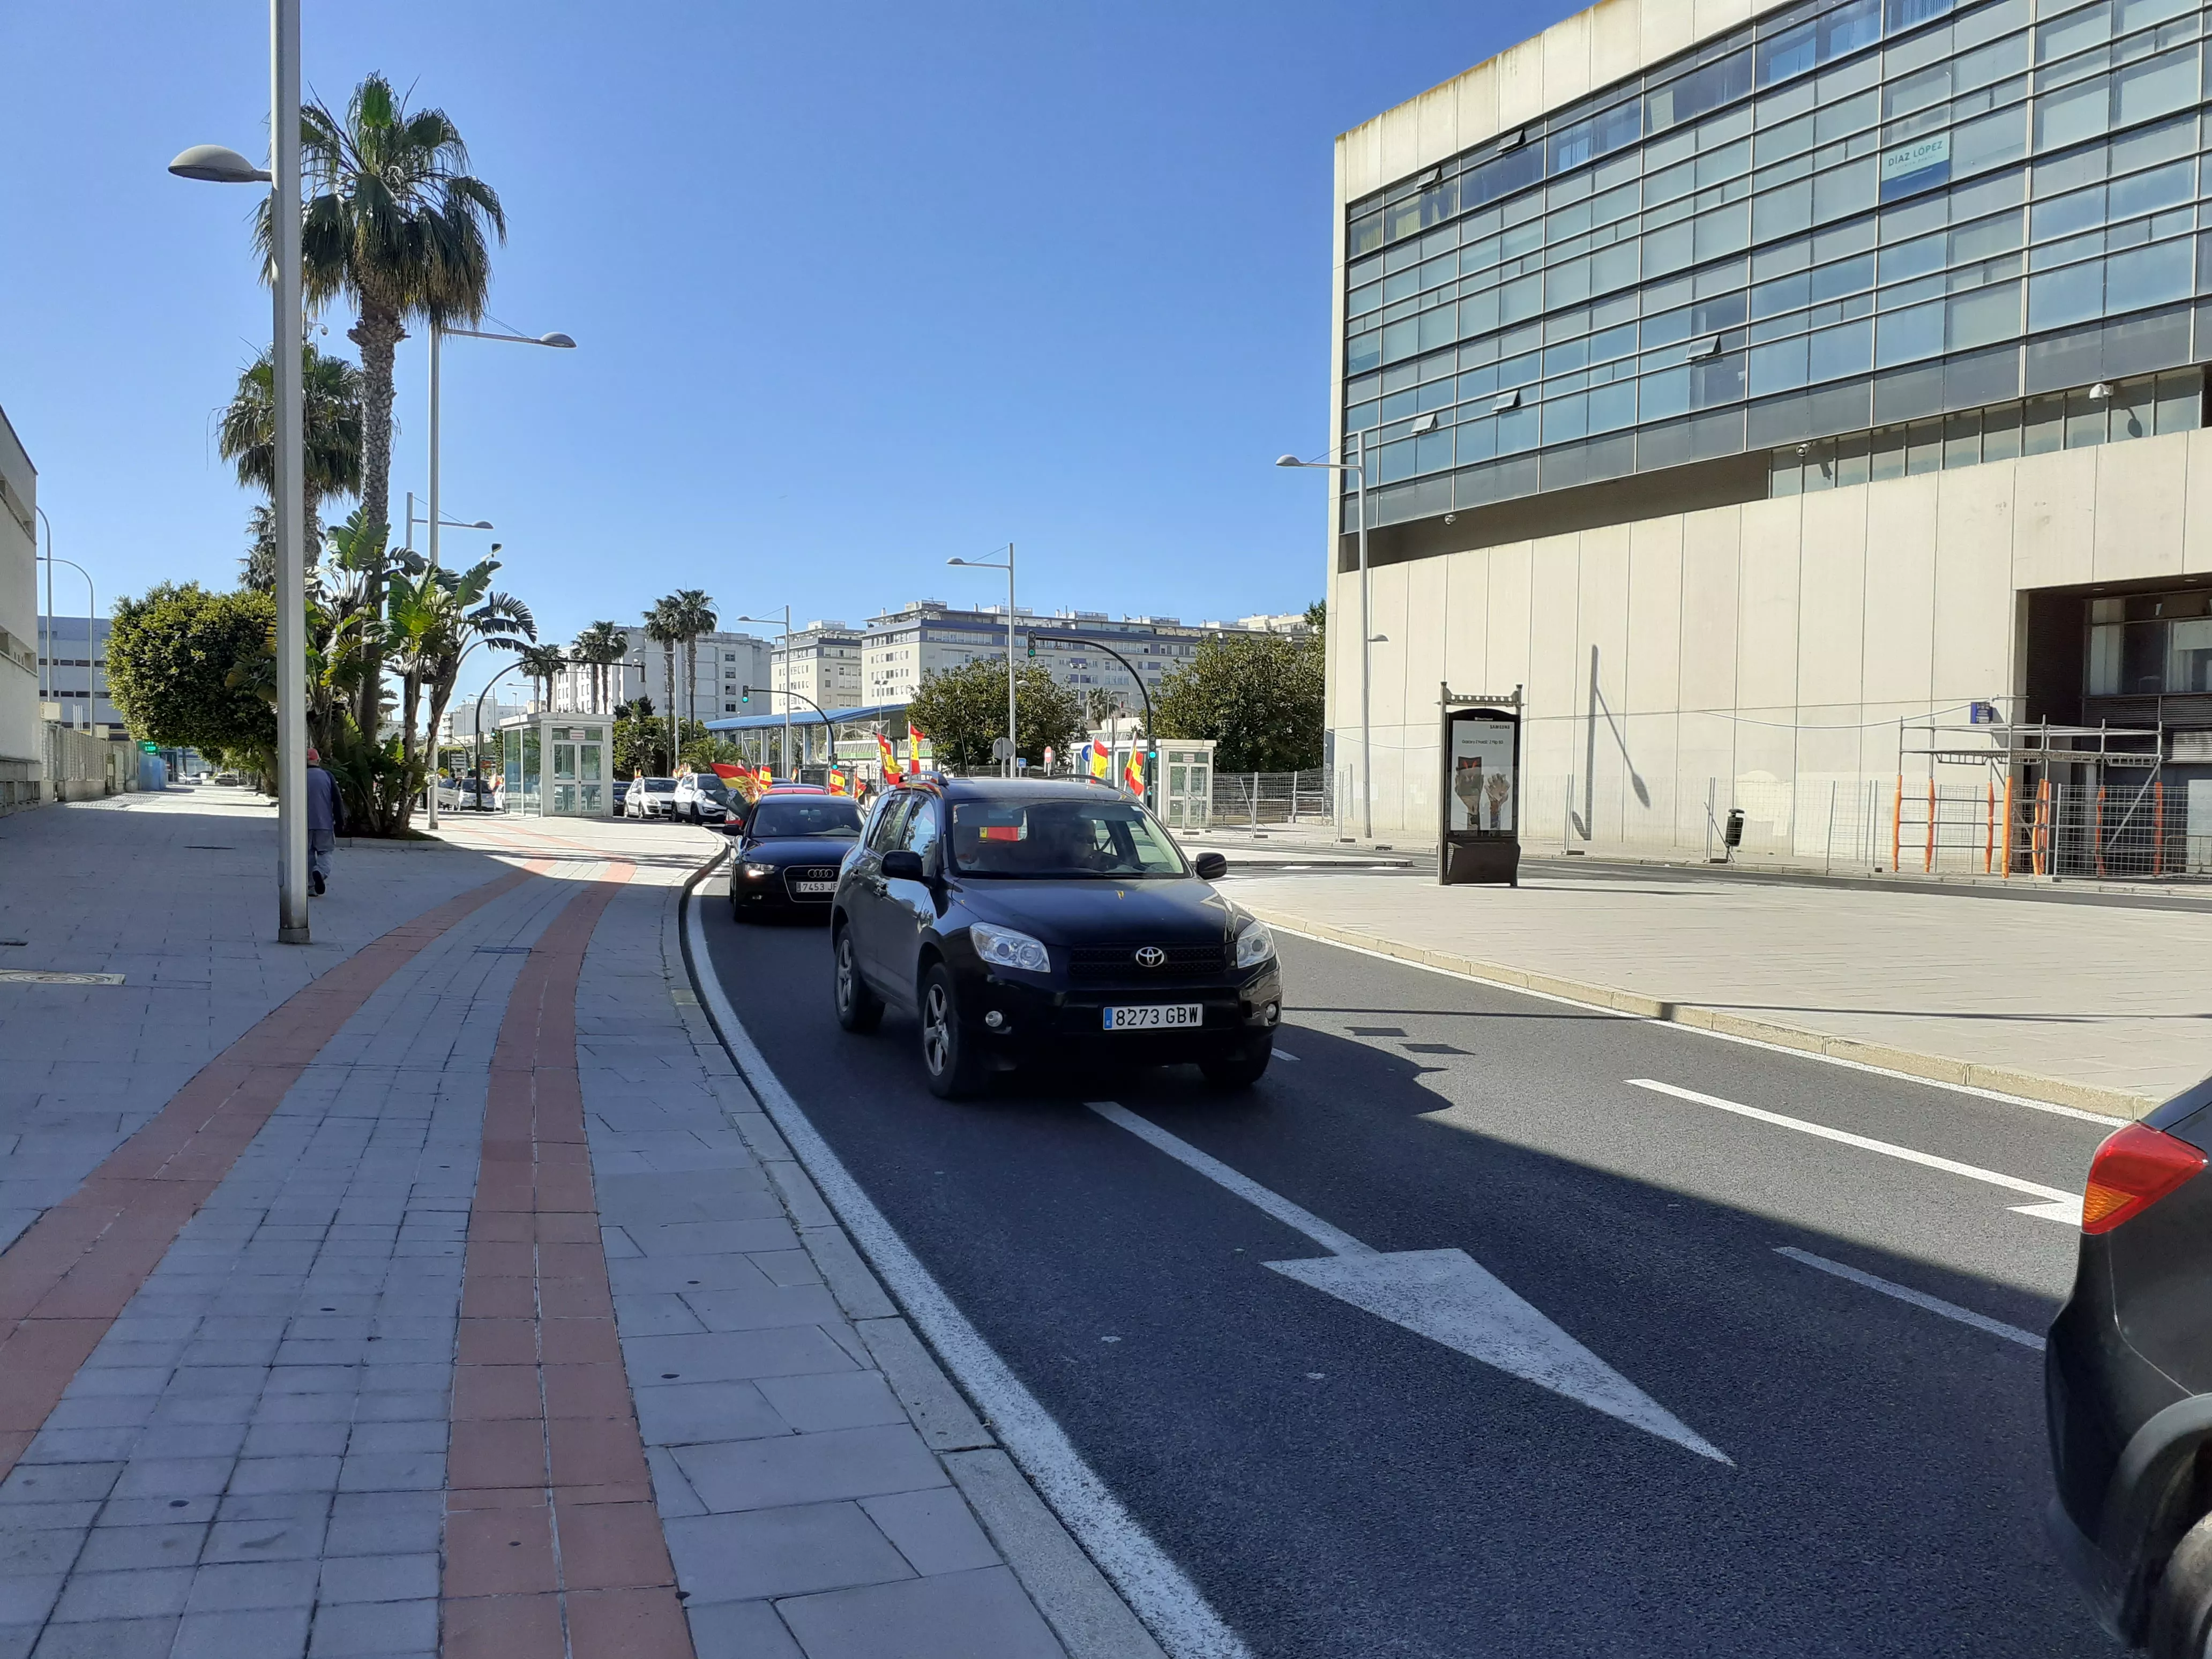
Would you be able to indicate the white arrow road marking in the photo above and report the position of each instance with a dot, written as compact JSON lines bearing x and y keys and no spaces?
{"x":1933,"y":1304}
{"x":2056,"y":1206}
{"x":1446,"y":1296}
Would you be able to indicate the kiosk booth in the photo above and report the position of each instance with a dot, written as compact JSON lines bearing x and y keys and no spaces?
{"x":1479,"y":838}
{"x":557,"y":766}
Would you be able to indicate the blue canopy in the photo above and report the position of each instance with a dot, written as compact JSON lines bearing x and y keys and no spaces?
{"x":802,"y":715}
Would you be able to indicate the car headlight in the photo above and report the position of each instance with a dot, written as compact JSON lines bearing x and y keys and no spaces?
{"x":1003,"y":947}
{"x":1255,"y":944}
{"x":758,"y":870}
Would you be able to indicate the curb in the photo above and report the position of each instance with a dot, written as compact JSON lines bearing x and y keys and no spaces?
{"x":1935,"y":1068}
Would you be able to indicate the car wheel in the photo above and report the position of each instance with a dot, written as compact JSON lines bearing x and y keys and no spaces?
{"x":859,"y":1009}
{"x":2180,"y":1625}
{"x":949,"y":1060}
{"x":1238,"y":1071}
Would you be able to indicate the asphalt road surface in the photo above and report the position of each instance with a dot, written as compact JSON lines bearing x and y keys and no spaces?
{"x":1856,"y":1472}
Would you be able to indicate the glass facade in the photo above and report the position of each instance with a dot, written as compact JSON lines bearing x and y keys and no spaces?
{"x":1842,"y":216}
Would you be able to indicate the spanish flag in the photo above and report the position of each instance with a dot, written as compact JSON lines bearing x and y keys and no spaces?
{"x":838,"y":783}
{"x":733,"y":773}
{"x":915,"y":739}
{"x":1102,"y":760}
{"x":889,"y":752}
{"x":1133,"y":774}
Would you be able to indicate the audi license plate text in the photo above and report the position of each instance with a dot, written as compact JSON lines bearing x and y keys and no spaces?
{"x":1155,"y":1017}
{"x":825,"y":887}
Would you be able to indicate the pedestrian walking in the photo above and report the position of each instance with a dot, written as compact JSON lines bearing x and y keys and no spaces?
{"x":326,"y":818}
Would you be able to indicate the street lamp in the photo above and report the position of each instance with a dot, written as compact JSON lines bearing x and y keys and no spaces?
{"x":992,"y":564}
{"x":785,"y":624}
{"x":215,"y":164}
{"x":1358,"y":467}
{"x":415,"y":518}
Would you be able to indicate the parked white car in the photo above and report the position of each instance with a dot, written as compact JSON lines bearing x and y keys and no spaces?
{"x":701,"y":797}
{"x":650,"y":798}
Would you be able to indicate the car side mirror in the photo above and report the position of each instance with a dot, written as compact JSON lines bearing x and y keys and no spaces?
{"x":901,"y":864}
{"x":1211,"y":866}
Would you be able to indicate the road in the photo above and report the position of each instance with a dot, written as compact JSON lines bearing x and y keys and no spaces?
{"x":1336,"y":1484}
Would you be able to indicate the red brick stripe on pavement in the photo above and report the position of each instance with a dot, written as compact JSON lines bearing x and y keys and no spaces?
{"x":554,"y":1549}
{"x":64,"y":1281}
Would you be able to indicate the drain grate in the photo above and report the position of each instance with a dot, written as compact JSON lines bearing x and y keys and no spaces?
{"x":502,"y":949}
{"x":206,"y":846}
{"x":33,"y":976}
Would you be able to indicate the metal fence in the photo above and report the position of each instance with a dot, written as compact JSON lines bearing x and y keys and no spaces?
{"x":1254,"y":799}
{"x":2143,"y":828}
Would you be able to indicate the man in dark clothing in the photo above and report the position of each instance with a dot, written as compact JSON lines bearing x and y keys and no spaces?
{"x":326,"y":818}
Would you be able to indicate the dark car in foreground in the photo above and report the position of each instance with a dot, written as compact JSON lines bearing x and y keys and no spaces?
{"x":1055,"y":922}
{"x":2128,"y":1385}
{"x":784,"y":862}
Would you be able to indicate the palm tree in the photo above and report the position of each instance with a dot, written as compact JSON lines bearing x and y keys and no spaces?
{"x":664,"y":626}
{"x":435,"y":618}
{"x":331,"y":424}
{"x":541,"y":667}
{"x":695,"y":615}
{"x":599,"y":648}
{"x":396,"y":226}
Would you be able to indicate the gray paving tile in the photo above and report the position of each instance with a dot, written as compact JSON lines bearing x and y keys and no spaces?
{"x":935,"y":1530}
{"x":781,"y":1552}
{"x":27,"y":1598}
{"x":380,"y":1578}
{"x":138,"y":1593}
{"x":840,"y":1399}
{"x":739,"y":1630}
{"x":120,"y":1549}
{"x":809,"y":1468}
{"x":748,"y":1310}
{"x":786,"y":1351}
{"x":289,"y":1538}
{"x":951,"y":1616}
{"x":259,"y":1633}
{"x":684,"y":1413}
{"x":234,"y":1586}
{"x":378,"y":1627}
{"x":112,"y":1639}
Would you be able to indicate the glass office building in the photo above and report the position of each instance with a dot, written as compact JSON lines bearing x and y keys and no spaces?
{"x":1756,"y":385}
{"x":1831,"y":223}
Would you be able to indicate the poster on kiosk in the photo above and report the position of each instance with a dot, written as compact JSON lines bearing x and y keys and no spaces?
{"x":1481,"y":794}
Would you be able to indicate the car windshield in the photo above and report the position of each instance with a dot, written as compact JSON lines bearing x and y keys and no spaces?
{"x":776,"y":819}
{"x":660,"y":785}
{"x":1106,"y":838}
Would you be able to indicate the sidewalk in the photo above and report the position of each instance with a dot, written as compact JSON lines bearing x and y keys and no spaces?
{"x":439,"y":1287}
{"x":2104,"y":1006}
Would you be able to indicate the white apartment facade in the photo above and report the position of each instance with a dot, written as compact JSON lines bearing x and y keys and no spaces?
{"x":725,"y":662}
{"x":20,"y":674}
{"x":1764,"y":391}
{"x":821,"y":662}
{"x":904,"y":646}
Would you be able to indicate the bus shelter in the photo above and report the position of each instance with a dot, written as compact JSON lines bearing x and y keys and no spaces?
{"x":557,"y":766}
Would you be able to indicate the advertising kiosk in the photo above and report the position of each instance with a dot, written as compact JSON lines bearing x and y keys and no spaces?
{"x":557,"y":765}
{"x":1479,"y":839}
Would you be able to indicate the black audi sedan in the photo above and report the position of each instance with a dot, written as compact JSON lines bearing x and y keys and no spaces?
{"x":1055,"y":922}
{"x":784,"y":861}
{"x":2128,"y":1385}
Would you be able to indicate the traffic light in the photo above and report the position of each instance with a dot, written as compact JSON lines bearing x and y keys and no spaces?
{"x":744,"y":694}
{"x":1033,"y":647}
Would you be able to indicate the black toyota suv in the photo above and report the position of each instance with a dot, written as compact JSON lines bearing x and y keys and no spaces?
{"x":2128,"y":1385}
{"x":1048,"y":921}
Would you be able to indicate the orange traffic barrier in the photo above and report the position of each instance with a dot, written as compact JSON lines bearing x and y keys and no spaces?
{"x":1989,"y":830}
{"x":1897,"y":825}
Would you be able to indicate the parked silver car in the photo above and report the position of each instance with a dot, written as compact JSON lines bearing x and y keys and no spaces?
{"x":701,"y":797}
{"x":650,"y":798}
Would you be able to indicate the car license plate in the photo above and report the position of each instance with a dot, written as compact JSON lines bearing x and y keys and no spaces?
{"x":825,"y":887}
{"x":1155,"y":1017}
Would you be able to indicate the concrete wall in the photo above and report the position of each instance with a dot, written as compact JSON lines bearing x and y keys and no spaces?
{"x":20,"y":738}
{"x":1755,"y":645}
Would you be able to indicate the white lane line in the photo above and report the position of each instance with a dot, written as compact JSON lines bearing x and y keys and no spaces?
{"x":1997,"y":1095}
{"x":1933,"y":1304}
{"x":2055,"y":1205}
{"x":1332,"y":1239}
{"x":1156,"y":1589}
{"x":1285,"y":1054}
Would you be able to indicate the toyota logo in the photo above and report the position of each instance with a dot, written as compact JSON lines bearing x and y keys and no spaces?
{"x":1151,"y":957}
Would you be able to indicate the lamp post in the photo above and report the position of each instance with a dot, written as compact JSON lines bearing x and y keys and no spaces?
{"x":91,"y":618}
{"x":415,"y":518}
{"x":1358,"y":467}
{"x":1151,"y":736}
{"x":828,"y":732}
{"x":992,"y":564}
{"x":215,"y":164}
{"x":785,"y":624}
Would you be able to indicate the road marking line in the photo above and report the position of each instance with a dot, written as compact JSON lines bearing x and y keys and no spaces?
{"x":1933,"y":1304}
{"x":2056,"y":1206}
{"x":1334,"y":1240}
{"x":1285,"y":1054}
{"x":1998,"y":1095}
{"x":1159,"y":1591}
{"x":1446,"y":1296}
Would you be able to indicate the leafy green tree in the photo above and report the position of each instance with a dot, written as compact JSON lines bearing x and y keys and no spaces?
{"x":641,"y":745}
{"x":1259,"y":696}
{"x":170,"y":658}
{"x":393,"y":223}
{"x":331,"y":427}
{"x":962,"y":709}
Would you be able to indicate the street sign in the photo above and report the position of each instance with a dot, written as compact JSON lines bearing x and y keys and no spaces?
{"x":149,"y":747}
{"x":1002,"y":749}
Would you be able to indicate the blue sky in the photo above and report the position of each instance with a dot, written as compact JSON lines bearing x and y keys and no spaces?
{"x":856,"y":287}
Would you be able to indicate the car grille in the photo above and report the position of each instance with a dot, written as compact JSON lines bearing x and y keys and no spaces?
{"x":796,"y":873}
{"x":1119,"y":961}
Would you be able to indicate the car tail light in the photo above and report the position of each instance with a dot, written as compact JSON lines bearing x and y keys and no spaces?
{"x":2133,"y":1170}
